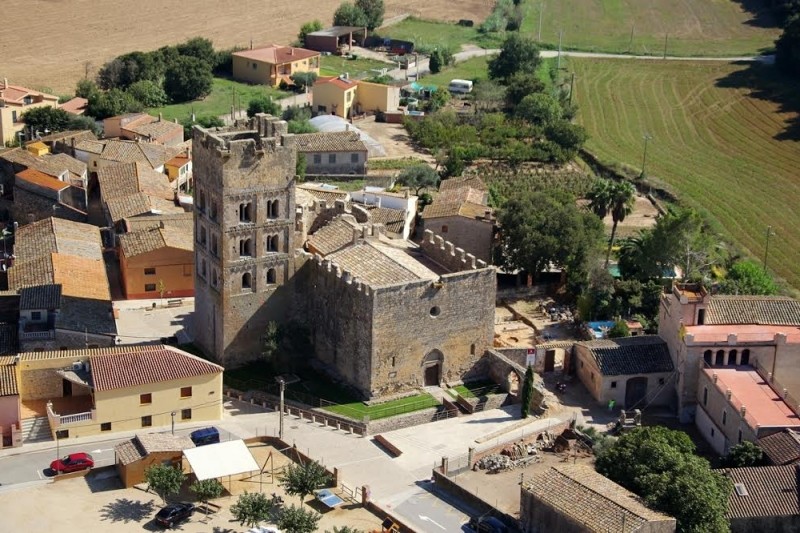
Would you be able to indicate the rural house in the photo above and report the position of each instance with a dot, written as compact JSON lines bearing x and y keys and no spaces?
{"x":143,"y":127}
{"x":344,"y":97}
{"x":337,"y":153}
{"x":335,"y":39}
{"x":14,"y":102}
{"x":157,"y":259}
{"x":136,"y":455}
{"x":274,"y":64}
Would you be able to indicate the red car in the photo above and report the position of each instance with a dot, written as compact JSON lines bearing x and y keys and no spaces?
{"x":72,"y":463}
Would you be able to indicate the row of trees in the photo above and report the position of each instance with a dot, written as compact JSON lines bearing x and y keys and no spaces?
{"x":506,"y":15}
{"x":787,"y":47}
{"x":362,"y":13}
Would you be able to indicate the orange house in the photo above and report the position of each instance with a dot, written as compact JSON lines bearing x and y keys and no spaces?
{"x":156,"y":260}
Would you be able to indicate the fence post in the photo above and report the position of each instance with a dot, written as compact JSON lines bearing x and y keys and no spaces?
{"x":470,"y":456}
{"x":445,"y":465}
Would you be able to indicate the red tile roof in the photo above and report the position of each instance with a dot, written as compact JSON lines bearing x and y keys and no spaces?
{"x":338,"y":82}
{"x":144,"y":365}
{"x":76,"y":106}
{"x":277,"y":55}
{"x":31,"y":175}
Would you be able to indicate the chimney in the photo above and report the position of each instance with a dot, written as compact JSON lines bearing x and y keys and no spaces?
{"x":347,"y":127}
{"x":161,"y":224}
{"x":291,"y":51}
{"x":378,"y":203}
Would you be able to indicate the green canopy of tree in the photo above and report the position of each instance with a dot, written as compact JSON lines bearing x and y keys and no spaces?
{"x":149,"y":93}
{"x":544,"y":229}
{"x":527,"y":392}
{"x":303,"y":479}
{"x":570,"y":137}
{"x":349,"y":14}
{"x":659,"y":465}
{"x":787,"y":47}
{"x":614,"y":197}
{"x":86,"y":89}
{"x":301,"y":126}
{"x":619,"y":329}
{"x":306,"y":28}
{"x":51,"y":119}
{"x":112,"y":103}
{"x":744,"y":454}
{"x":748,"y":277}
{"x":418,"y":177}
{"x":209,"y":121}
{"x":518,"y":54}
{"x":607,"y":298}
{"x":200,"y":48}
{"x":263,"y":104}
{"x":206,"y":490}
{"x":251,"y":508}
{"x":436,"y":62}
{"x":188,"y":78}
{"x":298,"y":520}
{"x":373,"y":11}
{"x":540,"y":109}
{"x":164,"y":479}
{"x":300,"y":167}
{"x":304,"y":79}
{"x":520,"y":85}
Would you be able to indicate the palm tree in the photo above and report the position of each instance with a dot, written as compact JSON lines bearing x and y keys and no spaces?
{"x":600,"y":198}
{"x":622,"y":196}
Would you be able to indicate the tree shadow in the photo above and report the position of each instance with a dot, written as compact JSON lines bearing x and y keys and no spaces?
{"x":765,"y":82}
{"x":126,"y":510}
{"x":763,"y":17}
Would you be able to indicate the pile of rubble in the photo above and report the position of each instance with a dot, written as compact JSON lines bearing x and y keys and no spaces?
{"x":495,"y":463}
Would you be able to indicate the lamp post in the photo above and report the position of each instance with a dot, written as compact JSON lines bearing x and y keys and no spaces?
{"x":647,"y":137}
{"x":766,"y":247}
{"x":173,"y":421}
{"x":282,"y":383}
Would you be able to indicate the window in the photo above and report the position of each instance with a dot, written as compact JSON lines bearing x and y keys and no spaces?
{"x":105,"y":426}
{"x":701,"y":317}
{"x":331,"y":158}
{"x":13,"y":116}
{"x":203,"y":235}
{"x":707,"y":357}
{"x":149,"y":287}
{"x":705,"y":396}
{"x":712,"y":432}
{"x":613,"y":384}
{"x":186,"y":414}
{"x":724,"y":417}
{"x":149,"y":271}
{"x":201,"y":201}
{"x":214,"y":246}
{"x":271,"y":276}
{"x":255,"y":66}
{"x":322,"y":109}
{"x":186,"y":392}
{"x":245,"y":212}
{"x":273,"y":207}
{"x":36,"y":315}
{"x":272,"y":243}
{"x":247,"y":281}
{"x":146,"y":399}
{"x":317,"y":159}
{"x":740,"y":436}
{"x":472,"y":349}
{"x":394,"y":360}
{"x":350,"y":96}
{"x":444,"y":228}
{"x":581,"y":364}
{"x":245,"y":248}
{"x":661,"y":381}
{"x":354,"y":158}
{"x":719,"y":360}
{"x":745,"y":357}
{"x":732,"y":357}
{"x":147,"y":421}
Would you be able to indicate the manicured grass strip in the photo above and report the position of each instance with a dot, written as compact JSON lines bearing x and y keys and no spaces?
{"x":361,"y":67}
{"x":359,"y":410}
{"x":477,"y":389}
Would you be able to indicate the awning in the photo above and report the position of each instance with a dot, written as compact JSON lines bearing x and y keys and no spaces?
{"x":213,"y":461}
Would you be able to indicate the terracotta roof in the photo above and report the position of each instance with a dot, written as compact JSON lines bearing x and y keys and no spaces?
{"x":69,"y":134}
{"x":179,"y":160}
{"x":91,"y":146}
{"x":140,"y":204}
{"x":155,"y":129}
{"x":328,"y":195}
{"x":393,"y":219}
{"x":57,"y":235}
{"x":767,"y":310}
{"x":142,"y":242}
{"x":40,"y":297}
{"x":141,"y":446}
{"x":377,"y":264}
{"x":31,"y":273}
{"x":76,"y":106}
{"x":8,"y":380}
{"x":179,"y":221}
{"x":81,"y":277}
{"x":15,"y":93}
{"x":591,"y":499}
{"x":41,"y":179}
{"x":333,"y":236}
{"x":75,"y":167}
{"x":781,"y":448}
{"x":454,"y":200}
{"x":146,"y":365}
{"x":152,"y":154}
{"x":473,"y":182}
{"x":129,"y":178}
{"x":277,"y":55}
{"x":337,"y":82}
{"x":766,"y":491}
{"x":646,"y":354}
{"x":333,"y":141}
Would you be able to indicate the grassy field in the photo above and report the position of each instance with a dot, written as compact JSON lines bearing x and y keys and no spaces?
{"x":472,"y":69}
{"x":335,"y":65}
{"x":219,"y":101}
{"x":692,"y":27}
{"x":359,"y":410}
{"x":718,"y":138}
{"x":430,"y":34}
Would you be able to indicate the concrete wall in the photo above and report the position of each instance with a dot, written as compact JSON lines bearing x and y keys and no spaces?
{"x":377,"y":97}
{"x":9,"y":411}
{"x":713,"y":404}
{"x":172,"y":266}
{"x":38,"y":380}
{"x":471,"y":235}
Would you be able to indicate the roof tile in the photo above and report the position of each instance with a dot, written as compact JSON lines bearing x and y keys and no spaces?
{"x":781,"y":448}
{"x":764,"y":310}
{"x":771,"y":491}
{"x":644,"y":354}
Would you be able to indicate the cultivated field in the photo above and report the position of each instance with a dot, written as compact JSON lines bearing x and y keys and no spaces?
{"x":51,"y":47}
{"x":715,"y":139}
{"x":695,"y":27}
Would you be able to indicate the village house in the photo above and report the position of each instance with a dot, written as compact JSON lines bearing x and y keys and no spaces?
{"x":110,"y":152}
{"x":15,"y":101}
{"x":781,"y":448}
{"x":143,"y":127}
{"x":274,"y":64}
{"x":63,"y":142}
{"x":461,"y":213}
{"x":156,"y":260}
{"x":764,"y":499}
{"x":396,"y":211}
{"x":136,"y":455}
{"x":75,"y":106}
{"x":344,"y":97}
{"x":179,"y":170}
{"x":336,"y":153}
{"x":577,"y":499}
{"x":634,"y":372}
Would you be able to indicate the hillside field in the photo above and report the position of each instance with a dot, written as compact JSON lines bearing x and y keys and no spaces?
{"x":716,"y":141}
{"x":51,"y":47}
{"x":695,"y":27}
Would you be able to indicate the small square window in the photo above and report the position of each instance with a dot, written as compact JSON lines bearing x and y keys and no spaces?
{"x":147,"y":421}
{"x":317,"y":159}
{"x":331,"y":158}
{"x":36,"y":315}
{"x":146,"y":399}
{"x":149,"y":287}
{"x":105,"y":426}
{"x":613,"y":384}
{"x":186,"y":414}
{"x":581,"y":364}
{"x":186,"y":392}
{"x":712,"y":432}
{"x":445,"y":228}
{"x":62,"y":434}
{"x":354,"y":158}
{"x":149,"y":271}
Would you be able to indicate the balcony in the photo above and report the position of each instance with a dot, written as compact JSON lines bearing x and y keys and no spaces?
{"x":57,"y":421}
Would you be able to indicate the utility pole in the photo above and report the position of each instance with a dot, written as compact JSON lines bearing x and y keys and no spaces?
{"x":173,"y":421}
{"x":541,"y":11}
{"x":571,"y":87}
{"x":766,"y":248}
{"x":647,"y":138}
{"x":558,"y":62}
{"x":666,"y":38}
{"x":282,"y":383}
{"x":630,"y":44}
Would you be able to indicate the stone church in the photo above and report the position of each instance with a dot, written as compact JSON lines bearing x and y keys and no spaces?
{"x":386,"y":315}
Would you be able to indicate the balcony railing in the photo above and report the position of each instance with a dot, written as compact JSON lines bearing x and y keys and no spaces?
{"x":57,"y":420}
{"x":35,"y":335}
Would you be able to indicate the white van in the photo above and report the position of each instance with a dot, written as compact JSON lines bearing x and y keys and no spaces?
{"x":460,"y":86}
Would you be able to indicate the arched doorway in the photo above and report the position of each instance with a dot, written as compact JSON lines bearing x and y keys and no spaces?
{"x":635,"y":392}
{"x":432,"y":368}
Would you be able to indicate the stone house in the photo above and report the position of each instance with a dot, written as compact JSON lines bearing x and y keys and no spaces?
{"x":461,"y":214}
{"x":15,"y":101}
{"x":109,"y":152}
{"x":397,"y":212}
{"x":143,"y":127}
{"x":63,"y":142}
{"x":152,"y":258}
{"x":633,"y":371}
{"x":764,"y":499}
{"x":274,"y":64}
{"x":136,"y":455}
{"x":336,"y":153}
{"x":577,"y":499}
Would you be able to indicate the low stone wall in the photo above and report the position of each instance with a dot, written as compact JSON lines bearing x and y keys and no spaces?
{"x":403,"y":421}
{"x":484,"y":508}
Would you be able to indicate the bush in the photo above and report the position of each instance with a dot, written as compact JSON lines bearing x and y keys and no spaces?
{"x":302,"y":80}
{"x":112,"y":103}
{"x":199,"y":48}
{"x":149,"y":93}
{"x":188,"y":78}
{"x":349,"y":15}
{"x":305,"y":29}
{"x":263,"y":104}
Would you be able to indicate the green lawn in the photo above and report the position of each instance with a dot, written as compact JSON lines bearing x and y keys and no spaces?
{"x":359,"y":410}
{"x":473,"y":69}
{"x":476,"y":389}
{"x":219,"y":101}
{"x":691,"y":27}
{"x":429,"y":34}
{"x":719,"y":140}
{"x":356,"y":68}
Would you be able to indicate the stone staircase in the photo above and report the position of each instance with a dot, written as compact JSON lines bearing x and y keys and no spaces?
{"x":36,"y":429}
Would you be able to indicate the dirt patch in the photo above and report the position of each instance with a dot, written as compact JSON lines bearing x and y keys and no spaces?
{"x":643,"y":216}
{"x":393,"y":137}
{"x":54,"y":48}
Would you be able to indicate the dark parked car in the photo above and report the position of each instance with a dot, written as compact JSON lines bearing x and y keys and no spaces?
{"x":174,"y":513}
{"x":72,"y":463}
{"x":204,"y":436}
{"x":487,"y":525}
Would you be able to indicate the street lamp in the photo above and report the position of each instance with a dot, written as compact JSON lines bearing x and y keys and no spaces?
{"x":647,"y":137}
{"x":173,"y":421}
{"x":766,"y":247}
{"x":282,"y":383}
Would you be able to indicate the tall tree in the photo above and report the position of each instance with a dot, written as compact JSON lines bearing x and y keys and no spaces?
{"x":251,"y":508}
{"x":540,"y":109}
{"x":744,"y":454}
{"x":112,"y":103}
{"x":418,"y":177}
{"x":373,"y":11}
{"x":46,"y":118}
{"x":521,"y":85}
{"x":787,"y":48}
{"x":748,"y":277}
{"x":349,"y":14}
{"x":200,"y":48}
{"x":623,"y":196}
{"x":149,"y":93}
{"x":298,"y":520}
{"x":188,"y":78}
{"x":164,"y":479}
{"x":527,"y":392}
{"x":518,"y":54}
{"x":303,"y":479}
{"x":306,"y":28}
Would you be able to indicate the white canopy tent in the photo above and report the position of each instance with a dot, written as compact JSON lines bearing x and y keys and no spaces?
{"x":214,"y":461}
